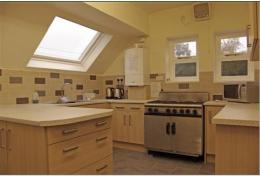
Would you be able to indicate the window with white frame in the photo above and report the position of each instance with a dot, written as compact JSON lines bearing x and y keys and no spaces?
{"x":232,"y":62}
{"x":182,"y":61}
{"x":68,"y":46}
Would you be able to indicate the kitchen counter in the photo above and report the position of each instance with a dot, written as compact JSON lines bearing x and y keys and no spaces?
{"x":49,"y":115}
{"x":97,"y":101}
{"x":215,"y":103}
{"x":241,"y":114}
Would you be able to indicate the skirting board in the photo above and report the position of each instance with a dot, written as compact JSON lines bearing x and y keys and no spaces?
{"x":129,"y":146}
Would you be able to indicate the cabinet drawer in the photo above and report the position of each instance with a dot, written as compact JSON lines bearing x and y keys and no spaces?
{"x":64,"y":132}
{"x":116,"y":106}
{"x":69,"y":156}
{"x":104,"y":166}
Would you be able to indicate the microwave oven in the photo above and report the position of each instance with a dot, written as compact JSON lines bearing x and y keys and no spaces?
{"x":247,"y":92}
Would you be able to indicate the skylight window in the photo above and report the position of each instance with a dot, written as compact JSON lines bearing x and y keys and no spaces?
{"x":68,"y":46}
{"x":66,"y":40}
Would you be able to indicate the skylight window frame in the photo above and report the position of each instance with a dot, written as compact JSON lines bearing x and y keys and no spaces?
{"x":81,"y":58}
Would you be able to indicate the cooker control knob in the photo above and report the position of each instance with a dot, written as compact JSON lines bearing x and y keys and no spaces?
{"x":195,"y":112}
{"x":168,"y":111}
{"x":187,"y":111}
{"x":181,"y":111}
{"x":150,"y":109}
{"x":174,"y":111}
{"x":155,"y":110}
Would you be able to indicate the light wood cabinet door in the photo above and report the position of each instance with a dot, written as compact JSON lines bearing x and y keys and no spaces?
{"x":3,"y":153}
{"x":26,"y":149}
{"x":119,"y":124}
{"x":136,"y":125}
{"x":211,"y":111}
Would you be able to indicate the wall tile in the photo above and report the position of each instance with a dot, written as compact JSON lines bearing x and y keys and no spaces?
{"x":96,"y":91}
{"x":22,"y":100}
{"x":183,"y":85}
{"x":15,"y":80}
{"x":59,"y":92}
{"x":109,"y":82}
{"x":42,"y":93}
{"x":68,"y":81}
{"x":39,"y":81}
{"x":54,"y":75}
{"x":92,"y":77}
{"x":79,"y":97}
{"x":79,"y":87}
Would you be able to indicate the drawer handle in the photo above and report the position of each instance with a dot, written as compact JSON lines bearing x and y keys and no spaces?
{"x":101,"y":139}
{"x":119,"y":107}
{"x":101,"y":168}
{"x":69,"y":131}
{"x":70,"y":149}
{"x":101,"y":123}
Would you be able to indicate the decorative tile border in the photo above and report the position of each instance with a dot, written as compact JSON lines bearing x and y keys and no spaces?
{"x":41,"y":93}
{"x":39,"y":81}
{"x":15,"y":80}
{"x":22,"y":100}
{"x":54,"y":75}
{"x":93,"y":77}
{"x":68,"y":81}
{"x":79,"y":86}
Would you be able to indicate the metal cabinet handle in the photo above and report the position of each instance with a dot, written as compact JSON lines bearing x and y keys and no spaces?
{"x":101,"y":168}
{"x":173,"y":128}
{"x":129,"y":120}
{"x":168,"y":128}
{"x":1,"y":138}
{"x":8,"y":136}
{"x":69,"y":131}
{"x":70,"y":149}
{"x":248,"y":27}
{"x":101,"y":139}
{"x":119,"y":107}
{"x":101,"y":123}
{"x":124,"y":120}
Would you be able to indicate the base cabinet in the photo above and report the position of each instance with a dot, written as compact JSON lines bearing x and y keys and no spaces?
{"x":128,"y":123}
{"x":237,"y":150}
{"x":210,"y":132}
{"x":29,"y":149}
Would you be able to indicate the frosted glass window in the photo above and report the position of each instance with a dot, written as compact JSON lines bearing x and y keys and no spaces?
{"x":66,"y":40}
{"x":234,"y":68}
{"x":185,"y":69}
{"x":233,"y":46}
{"x":185,"y":49}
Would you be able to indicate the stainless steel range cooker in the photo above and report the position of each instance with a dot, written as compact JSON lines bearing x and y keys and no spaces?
{"x":174,"y":123}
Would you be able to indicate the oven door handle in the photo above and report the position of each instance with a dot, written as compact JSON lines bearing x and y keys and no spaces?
{"x":168,"y":128}
{"x":173,"y":128}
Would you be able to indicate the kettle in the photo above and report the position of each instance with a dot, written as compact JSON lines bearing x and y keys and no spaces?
{"x":110,"y":93}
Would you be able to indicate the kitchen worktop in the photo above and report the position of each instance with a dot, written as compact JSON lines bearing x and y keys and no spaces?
{"x":215,"y":103}
{"x":49,"y":115}
{"x":97,"y":101}
{"x":241,"y":114}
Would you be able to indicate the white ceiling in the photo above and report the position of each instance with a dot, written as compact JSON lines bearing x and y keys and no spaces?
{"x":151,"y":7}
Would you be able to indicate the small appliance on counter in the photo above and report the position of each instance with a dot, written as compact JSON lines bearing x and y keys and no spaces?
{"x":119,"y":90}
{"x":245,"y":92}
{"x":110,"y":93}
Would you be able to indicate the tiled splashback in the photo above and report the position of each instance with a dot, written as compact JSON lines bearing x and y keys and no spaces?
{"x":19,"y":86}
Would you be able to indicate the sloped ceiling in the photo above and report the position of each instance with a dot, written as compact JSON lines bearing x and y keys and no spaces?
{"x":23,"y":25}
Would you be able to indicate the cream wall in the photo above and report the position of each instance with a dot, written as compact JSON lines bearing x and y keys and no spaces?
{"x":179,"y":22}
{"x":22,"y":26}
{"x":126,"y":12}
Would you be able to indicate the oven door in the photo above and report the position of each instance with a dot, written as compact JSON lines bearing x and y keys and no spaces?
{"x":157,"y":133}
{"x":187,"y":135}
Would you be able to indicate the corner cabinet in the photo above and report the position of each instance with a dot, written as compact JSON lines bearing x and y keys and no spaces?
{"x":252,"y":31}
{"x":210,"y":133}
{"x":136,"y":67}
{"x":84,"y":147}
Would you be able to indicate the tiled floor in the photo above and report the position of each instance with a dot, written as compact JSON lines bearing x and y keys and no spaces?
{"x":133,"y":163}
